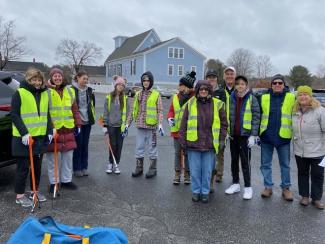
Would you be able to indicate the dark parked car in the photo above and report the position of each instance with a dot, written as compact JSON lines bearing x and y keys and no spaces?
{"x":319,"y":94}
{"x":8,"y":86}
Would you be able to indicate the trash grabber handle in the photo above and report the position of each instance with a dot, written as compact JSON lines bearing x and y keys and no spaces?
{"x":110,"y":148}
{"x":32,"y":169}
{"x":56,"y":165}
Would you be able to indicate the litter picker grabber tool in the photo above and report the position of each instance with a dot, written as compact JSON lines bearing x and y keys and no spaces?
{"x":110,"y":148}
{"x":56,"y":166}
{"x":32,"y":172}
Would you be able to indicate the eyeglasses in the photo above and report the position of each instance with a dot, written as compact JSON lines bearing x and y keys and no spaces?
{"x":277,"y":83}
{"x":145,"y":80}
{"x":203,"y":89}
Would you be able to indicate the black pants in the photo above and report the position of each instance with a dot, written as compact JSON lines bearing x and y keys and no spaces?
{"x":116,"y":141}
{"x":306,"y":167}
{"x":22,"y":171}
{"x":239,"y":148}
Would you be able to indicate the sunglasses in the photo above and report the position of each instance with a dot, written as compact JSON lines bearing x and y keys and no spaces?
{"x":277,"y":83}
{"x":203,"y":89}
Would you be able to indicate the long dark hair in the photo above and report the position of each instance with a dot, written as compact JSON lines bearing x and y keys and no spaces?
{"x":113,"y":95}
{"x":79,"y":74}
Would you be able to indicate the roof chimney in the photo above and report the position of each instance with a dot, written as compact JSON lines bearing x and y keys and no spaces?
{"x":119,"y":40}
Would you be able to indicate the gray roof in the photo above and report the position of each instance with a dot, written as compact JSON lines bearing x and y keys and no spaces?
{"x":19,"y":66}
{"x":94,"y":70}
{"x":128,"y":46}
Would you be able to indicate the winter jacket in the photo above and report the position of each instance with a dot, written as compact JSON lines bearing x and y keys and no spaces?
{"x":256,"y":115}
{"x":220,"y":93}
{"x":204,"y":124}
{"x":40,"y":142}
{"x":271,"y":134}
{"x":309,"y":133}
{"x":66,"y":139}
{"x":90,"y":99}
{"x":182,"y":100}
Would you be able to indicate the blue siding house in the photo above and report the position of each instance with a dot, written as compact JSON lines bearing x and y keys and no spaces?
{"x":167,"y":60}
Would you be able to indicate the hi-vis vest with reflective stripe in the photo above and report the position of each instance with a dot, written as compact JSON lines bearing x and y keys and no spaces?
{"x":228,"y":109}
{"x":151,"y":108}
{"x":286,"y":111}
{"x":35,"y":123}
{"x":60,"y":109}
{"x":108,"y":97}
{"x":178,"y":113}
{"x":247,"y":119}
{"x":192,"y":134}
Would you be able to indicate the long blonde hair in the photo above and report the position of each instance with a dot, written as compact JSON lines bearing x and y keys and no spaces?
{"x":314,"y":103}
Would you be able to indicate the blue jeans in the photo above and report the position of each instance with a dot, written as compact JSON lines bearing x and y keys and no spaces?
{"x":201,"y":169}
{"x":266,"y":164}
{"x":80,"y":154}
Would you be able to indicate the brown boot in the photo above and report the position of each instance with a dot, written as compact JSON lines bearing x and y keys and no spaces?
{"x":304,"y":201}
{"x":287,"y":195}
{"x":177,"y":178}
{"x":187,"y":178}
{"x":318,"y":204}
{"x":266,"y":193}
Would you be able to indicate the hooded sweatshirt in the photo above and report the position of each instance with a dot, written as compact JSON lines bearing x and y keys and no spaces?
{"x":142,"y":100}
{"x":206,"y":111}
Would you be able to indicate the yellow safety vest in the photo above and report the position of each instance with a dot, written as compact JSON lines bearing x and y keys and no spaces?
{"x":192,"y":130}
{"x":286,"y":111}
{"x":178,"y":113}
{"x":247,"y":119}
{"x":151,"y":108}
{"x":109,"y":97}
{"x":60,"y":108}
{"x":36,"y":123}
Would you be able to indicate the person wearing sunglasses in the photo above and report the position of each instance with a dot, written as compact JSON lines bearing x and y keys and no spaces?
{"x":276,"y":132}
{"x":203,"y":126}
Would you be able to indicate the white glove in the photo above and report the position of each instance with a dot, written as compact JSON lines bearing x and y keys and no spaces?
{"x":50,"y":138}
{"x":79,"y":130}
{"x":161,"y":130}
{"x":126,"y":131}
{"x":171,"y":122}
{"x":322,"y":163}
{"x":105,"y":130}
{"x":251,"y":141}
{"x":25,"y":139}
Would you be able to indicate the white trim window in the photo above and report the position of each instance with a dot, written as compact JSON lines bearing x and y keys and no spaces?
{"x":181,"y":53}
{"x":193,"y":68}
{"x":180,"y":70}
{"x":176,"y":52}
{"x":170,"y":70}
{"x":170,"y":52}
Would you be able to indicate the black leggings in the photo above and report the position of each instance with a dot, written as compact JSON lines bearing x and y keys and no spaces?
{"x":116,"y":141}
{"x":22,"y":171}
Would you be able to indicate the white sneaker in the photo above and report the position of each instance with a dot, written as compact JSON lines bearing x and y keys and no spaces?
{"x":234,"y":188}
{"x":109,"y":169}
{"x":248,"y":193}
{"x":116,"y":169}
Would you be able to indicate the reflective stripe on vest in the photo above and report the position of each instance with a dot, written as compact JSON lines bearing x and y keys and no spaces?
{"x":60,"y":108}
{"x":228,"y":109}
{"x":35,"y":122}
{"x":192,"y":130}
{"x":247,"y":119}
{"x":151,"y":108}
{"x":123,"y":117}
{"x":286,"y":111}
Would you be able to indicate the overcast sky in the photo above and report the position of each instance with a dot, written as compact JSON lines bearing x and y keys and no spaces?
{"x":291,"y":32}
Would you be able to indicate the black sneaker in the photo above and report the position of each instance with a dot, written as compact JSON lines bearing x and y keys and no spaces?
{"x":205,"y":198}
{"x":195,"y":197}
{"x":51,"y":190}
{"x":69,"y":186}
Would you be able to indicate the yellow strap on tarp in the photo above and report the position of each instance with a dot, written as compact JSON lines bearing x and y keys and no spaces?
{"x":47,"y":238}
{"x":85,"y":240}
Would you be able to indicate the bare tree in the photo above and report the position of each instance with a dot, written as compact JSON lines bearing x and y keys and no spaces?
{"x":263,"y":66}
{"x":11,"y":47}
{"x":78,"y":54}
{"x":216,"y":65}
{"x":243,"y":61}
{"x":320,"y":71}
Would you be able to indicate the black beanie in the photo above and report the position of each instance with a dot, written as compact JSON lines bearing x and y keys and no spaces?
{"x":278,"y":77}
{"x":188,"y":80}
{"x":241,"y":77}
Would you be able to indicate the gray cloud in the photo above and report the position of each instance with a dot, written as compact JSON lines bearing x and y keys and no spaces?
{"x":291,"y":32}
